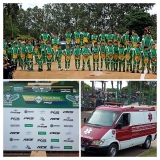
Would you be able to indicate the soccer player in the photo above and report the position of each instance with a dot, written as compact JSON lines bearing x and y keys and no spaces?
{"x":94,"y":38}
{"x":109,"y":36}
{"x":102,"y":37}
{"x":115,"y":56}
{"x":15,"y":54}
{"x":45,"y":37}
{"x":147,"y":41}
{"x":40,"y":58}
{"x":125,"y":38}
{"x":68,"y":37}
{"x":85,"y":36}
{"x":55,"y":42}
{"x":77,"y":36}
{"x":135,"y":38}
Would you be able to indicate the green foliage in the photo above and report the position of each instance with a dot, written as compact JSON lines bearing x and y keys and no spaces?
{"x":26,"y":37}
{"x":86,"y":86}
{"x":138,"y":20}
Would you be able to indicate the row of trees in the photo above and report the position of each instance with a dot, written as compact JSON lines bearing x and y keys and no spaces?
{"x":57,"y":17}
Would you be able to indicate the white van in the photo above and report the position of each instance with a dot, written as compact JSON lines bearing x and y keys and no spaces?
{"x":114,"y":128}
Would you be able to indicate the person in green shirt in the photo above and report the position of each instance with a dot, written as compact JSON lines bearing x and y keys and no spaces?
{"x":68,"y":37}
{"x":43,"y":48}
{"x":103,"y":49}
{"x":147,"y":41}
{"x":102,"y":37}
{"x":153,"y":57}
{"x":115,"y":36}
{"x":128,"y":56}
{"x":59,"y":54}
{"x":11,"y":41}
{"x":145,"y":59}
{"x":115,"y":56}
{"x":120,"y":38}
{"x":77,"y":36}
{"x":22,"y":56}
{"x":49,"y":56}
{"x":110,"y":53}
{"x":86,"y":52}
{"x":109,"y":36}
{"x":95,"y":53}
{"x":36,"y":53}
{"x":136,"y":57}
{"x":30,"y":53}
{"x":4,"y":46}
{"x":133,"y":31}
{"x":121,"y":59}
{"x":125,"y":38}
{"x":85,"y":37}
{"x":67,"y":54}
{"x":9,"y":52}
{"x":55,"y":42}
{"x":15,"y":54}
{"x":94,"y":38}
{"x":77,"y":56}
{"x":45,"y":37}
{"x":135,"y":38}
{"x":40,"y":58}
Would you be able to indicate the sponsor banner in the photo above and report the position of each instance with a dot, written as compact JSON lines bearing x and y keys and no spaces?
{"x":40,"y":126}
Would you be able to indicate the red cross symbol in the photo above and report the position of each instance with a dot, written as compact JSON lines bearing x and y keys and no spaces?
{"x":150,"y":116}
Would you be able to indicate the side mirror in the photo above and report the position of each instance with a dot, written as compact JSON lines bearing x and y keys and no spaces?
{"x":118,"y":126}
{"x":84,"y":120}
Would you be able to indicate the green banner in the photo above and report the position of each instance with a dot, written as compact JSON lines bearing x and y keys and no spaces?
{"x":40,"y":100}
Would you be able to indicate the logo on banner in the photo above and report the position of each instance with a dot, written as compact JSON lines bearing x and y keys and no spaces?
{"x":15,"y":111}
{"x":54,"y":140}
{"x":28,"y":125}
{"x":42,"y":119}
{"x":68,"y":119}
{"x":42,"y":112}
{"x":28,"y":133}
{"x":29,"y":118}
{"x":69,"y":140}
{"x":54,"y":147}
{"x":11,"y":139}
{"x":41,"y":140}
{"x":41,"y":89}
{"x":88,"y":130}
{"x":42,"y":147}
{"x":42,"y":126}
{"x":18,"y":89}
{"x":54,"y":125}
{"x":41,"y":133}
{"x":68,"y":125}
{"x":67,"y":111}
{"x":67,"y":147}
{"x":14,"y":147}
{"x":68,"y":133}
{"x":28,"y":139}
{"x":15,"y":118}
{"x":9,"y":98}
{"x":38,"y":99}
{"x":57,"y":133}
{"x":28,"y":111}
{"x":14,"y":132}
{"x":54,"y":112}
{"x":54,"y":119}
{"x":74,"y":99}
{"x":28,"y":147}
{"x":15,"y":125}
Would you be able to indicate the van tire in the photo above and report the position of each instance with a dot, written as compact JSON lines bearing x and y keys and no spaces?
{"x":112,"y":150}
{"x":147,"y":143}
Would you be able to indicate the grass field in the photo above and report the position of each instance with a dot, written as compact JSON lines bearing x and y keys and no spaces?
{"x":149,"y":153}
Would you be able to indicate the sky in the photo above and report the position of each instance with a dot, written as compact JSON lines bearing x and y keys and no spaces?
{"x":40,"y":5}
{"x":108,"y":84}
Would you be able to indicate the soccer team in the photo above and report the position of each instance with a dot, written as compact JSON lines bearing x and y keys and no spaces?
{"x":114,"y":51}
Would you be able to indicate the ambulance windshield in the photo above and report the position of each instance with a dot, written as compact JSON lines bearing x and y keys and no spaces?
{"x":103,"y":118}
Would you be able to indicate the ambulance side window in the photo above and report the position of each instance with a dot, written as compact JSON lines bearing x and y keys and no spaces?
{"x":125,"y":119}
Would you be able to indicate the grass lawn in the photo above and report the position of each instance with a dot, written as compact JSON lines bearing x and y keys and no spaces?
{"x":149,"y":153}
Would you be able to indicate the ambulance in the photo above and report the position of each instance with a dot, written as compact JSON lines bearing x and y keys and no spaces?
{"x":113,"y":128}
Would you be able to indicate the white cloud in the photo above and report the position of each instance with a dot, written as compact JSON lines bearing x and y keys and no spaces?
{"x":153,"y":10}
{"x":32,"y":5}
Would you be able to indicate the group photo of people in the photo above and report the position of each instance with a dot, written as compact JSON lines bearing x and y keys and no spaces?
{"x":112,"y":51}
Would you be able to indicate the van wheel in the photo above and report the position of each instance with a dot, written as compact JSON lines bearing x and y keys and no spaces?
{"x":112,"y":150}
{"x":147,"y":143}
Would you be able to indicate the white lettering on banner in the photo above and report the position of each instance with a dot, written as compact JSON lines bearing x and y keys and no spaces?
{"x":143,"y":127}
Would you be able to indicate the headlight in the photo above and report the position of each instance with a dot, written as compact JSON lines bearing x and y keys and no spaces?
{"x":97,"y":142}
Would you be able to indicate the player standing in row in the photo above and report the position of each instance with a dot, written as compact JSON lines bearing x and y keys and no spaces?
{"x":85,"y":36}
{"x":67,"y":53}
{"x":68,"y":37}
{"x":77,"y":56}
{"x":77,"y":36}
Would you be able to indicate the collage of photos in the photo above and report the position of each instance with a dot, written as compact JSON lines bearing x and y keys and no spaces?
{"x":79,"y":80}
